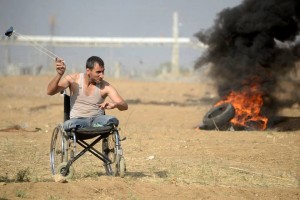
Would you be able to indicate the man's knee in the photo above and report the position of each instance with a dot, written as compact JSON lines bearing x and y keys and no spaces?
{"x":113,"y":120}
{"x":106,"y":120}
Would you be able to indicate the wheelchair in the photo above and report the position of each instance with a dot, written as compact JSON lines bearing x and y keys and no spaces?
{"x":63,"y":147}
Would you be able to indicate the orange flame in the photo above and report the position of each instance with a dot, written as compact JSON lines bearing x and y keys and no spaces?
{"x":247,"y":104}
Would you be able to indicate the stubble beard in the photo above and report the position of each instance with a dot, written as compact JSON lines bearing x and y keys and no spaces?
{"x":94,"y":81}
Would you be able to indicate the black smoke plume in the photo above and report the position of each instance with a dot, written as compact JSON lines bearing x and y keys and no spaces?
{"x":255,"y":41}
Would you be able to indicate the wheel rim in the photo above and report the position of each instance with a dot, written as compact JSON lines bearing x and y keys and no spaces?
{"x":58,"y":148}
{"x":108,"y":149}
{"x":105,"y":151}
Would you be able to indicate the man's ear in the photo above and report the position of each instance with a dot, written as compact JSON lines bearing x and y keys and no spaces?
{"x":88,"y":71}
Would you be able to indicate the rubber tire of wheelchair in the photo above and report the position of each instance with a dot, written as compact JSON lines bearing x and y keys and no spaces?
{"x":61,"y":166}
{"x":57,"y":137}
{"x":108,"y":168}
{"x":115,"y":165}
{"x":122,"y":167}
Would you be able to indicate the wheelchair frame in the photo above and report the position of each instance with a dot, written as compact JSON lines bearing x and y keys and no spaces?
{"x":63,"y":147}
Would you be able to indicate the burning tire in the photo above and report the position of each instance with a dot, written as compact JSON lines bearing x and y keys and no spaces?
{"x":219,"y":116}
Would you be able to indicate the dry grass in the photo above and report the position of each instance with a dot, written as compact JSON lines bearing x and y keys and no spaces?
{"x":163,"y":152}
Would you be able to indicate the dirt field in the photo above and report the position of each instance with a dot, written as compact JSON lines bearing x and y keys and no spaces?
{"x":165,"y":157}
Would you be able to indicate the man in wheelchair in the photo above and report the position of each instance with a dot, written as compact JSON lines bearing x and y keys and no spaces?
{"x":86,"y":118}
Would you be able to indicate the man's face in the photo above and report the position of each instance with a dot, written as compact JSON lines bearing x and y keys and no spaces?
{"x":97,"y":74}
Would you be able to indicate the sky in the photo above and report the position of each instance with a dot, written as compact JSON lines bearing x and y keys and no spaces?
{"x":113,"y":18}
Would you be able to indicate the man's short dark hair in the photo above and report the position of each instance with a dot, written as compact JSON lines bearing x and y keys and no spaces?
{"x":92,"y":60}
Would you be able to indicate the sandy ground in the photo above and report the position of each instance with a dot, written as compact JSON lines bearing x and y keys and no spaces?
{"x":165,"y":157}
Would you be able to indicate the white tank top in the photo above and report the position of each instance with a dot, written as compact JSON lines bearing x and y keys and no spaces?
{"x":85,"y":106}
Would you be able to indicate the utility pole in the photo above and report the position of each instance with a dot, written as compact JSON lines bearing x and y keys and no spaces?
{"x":175,"y":48}
{"x":117,"y":70}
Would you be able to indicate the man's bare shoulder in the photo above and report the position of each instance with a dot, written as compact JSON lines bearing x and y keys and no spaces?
{"x":106,"y":87}
{"x":72,"y":78}
{"x":105,"y":84}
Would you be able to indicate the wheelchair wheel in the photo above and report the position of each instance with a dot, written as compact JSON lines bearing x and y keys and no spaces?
{"x":122,"y":167}
{"x":58,"y":148}
{"x":61,"y":168}
{"x":110,"y":155}
{"x":117,"y":165}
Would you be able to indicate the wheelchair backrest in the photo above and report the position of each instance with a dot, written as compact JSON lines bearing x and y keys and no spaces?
{"x":66,"y":107}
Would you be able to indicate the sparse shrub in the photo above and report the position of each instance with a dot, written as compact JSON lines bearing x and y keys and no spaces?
{"x":3,"y":197}
{"x":4,"y":178}
{"x":22,"y":175}
{"x":54,"y":197}
{"x":20,"y":193}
